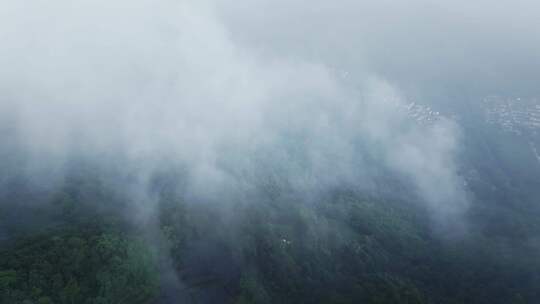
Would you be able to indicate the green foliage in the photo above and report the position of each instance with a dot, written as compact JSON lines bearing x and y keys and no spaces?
{"x":341,"y":249}
{"x":85,"y":267}
{"x":7,"y":279}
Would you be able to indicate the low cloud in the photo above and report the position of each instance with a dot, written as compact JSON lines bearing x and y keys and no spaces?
{"x":311,"y":94}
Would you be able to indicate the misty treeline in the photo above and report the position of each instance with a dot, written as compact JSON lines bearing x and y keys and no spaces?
{"x":270,"y":151}
{"x":81,"y":241}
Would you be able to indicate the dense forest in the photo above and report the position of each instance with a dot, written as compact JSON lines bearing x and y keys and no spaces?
{"x":269,"y":152}
{"x":343,"y":247}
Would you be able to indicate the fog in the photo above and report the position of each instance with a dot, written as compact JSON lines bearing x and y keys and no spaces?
{"x":279,"y":103}
{"x":452,"y":47}
{"x":312,"y":93}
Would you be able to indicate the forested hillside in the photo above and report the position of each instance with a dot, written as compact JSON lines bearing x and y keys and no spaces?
{"x":343,"y":247}
{"x":269,"y":152}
